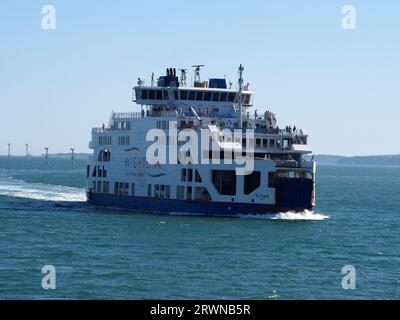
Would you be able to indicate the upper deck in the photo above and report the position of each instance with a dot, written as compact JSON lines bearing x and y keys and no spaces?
{"x":171,"y":91}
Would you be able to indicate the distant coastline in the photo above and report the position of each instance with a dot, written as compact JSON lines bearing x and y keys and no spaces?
{"x":381,"y":160}
{"x":324,"y":159}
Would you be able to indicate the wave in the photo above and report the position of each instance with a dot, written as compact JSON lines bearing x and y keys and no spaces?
{"x":289,"y":215}
{"x":40,"y":191}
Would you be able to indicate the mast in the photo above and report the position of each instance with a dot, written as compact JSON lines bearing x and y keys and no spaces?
{"x":240,"y":114}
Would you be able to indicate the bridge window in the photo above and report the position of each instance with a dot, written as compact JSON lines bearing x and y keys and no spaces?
{"x":199,"y":96}
{"x":191,"y":95}
{"x":159,"y":95}
{"x":166,"y":96}
{"x":176,"y":95}
{"x":152,"y":94}
{"x":231,"y":96}
{"x":215,"y":96}
{"x":224,"y":181}
{"x":183,"y":94}
{"x":252,"y":182}
{"x":144,"y":94}
{"x":223,"y":97}
{"x":207,"y":96}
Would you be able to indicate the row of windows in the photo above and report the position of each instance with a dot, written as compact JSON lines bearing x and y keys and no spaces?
{"x":101,"y":186}
{"x":104,"y":156}
{"x":159,"y":191}
{"x":98,"y":171}
{"x":124,"y":188}
{"x":225,"y":181}
{"x":123,"y":140}
{"x":163,"y":124}
{"x":264,"y":143}
{"x":105,"y":140}
{"x":193,"y":95}
{"x":121,"y":126}
{"x":187,"y":175}
{"x":200,"y":193}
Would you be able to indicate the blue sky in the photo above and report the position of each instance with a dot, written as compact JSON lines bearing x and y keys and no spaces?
{"x":341,"y":86}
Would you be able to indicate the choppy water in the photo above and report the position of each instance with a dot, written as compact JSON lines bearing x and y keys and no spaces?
{"x":104,"y":253}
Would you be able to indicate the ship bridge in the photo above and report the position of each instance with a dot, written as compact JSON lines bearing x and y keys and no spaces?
{"x":172,"y":92}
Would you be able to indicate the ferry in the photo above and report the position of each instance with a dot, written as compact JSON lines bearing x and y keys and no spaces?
{"x":199,"y":149}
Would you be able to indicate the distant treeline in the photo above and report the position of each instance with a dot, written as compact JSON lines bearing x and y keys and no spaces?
{"x":386,"y":160}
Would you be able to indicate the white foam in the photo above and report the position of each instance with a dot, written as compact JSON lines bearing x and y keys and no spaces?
{"x":40,"y":191}
{"x":289,"y":215}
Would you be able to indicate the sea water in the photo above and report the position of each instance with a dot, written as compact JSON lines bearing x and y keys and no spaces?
{"x":103,"y":253}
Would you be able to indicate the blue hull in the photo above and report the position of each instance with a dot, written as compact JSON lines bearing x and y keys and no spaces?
{"x":185,"y":206}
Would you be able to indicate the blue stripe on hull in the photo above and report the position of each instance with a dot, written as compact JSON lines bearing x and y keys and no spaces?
{"x":184,"y":206}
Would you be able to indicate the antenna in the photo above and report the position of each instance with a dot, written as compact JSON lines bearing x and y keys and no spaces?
{"x":183,"y":77}
{"x":46,"y":159}
{"x":9,"y":152}
{"x":152,"y":79}
{"x":240,"y":115}
{"x":72,"y":157}
{"x":197,"y":72}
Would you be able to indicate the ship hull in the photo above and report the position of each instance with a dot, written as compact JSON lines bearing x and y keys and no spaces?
{"x":204,"y":208}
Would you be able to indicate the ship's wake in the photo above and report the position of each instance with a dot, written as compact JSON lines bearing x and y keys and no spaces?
{"x":289,"y":215}
{"x":39,"y":191}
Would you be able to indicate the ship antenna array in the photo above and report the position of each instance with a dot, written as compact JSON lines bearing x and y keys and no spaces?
{"x":197,"y":72}
{"x":183,"y":77}
{"x":240,"y":114}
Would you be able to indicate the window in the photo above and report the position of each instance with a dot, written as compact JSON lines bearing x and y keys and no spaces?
{"x":156,"y":191}
{"x":272,"y":143}
{"x":123,"y":140}
{"x":176,"y":95}
{"x":197,"y":176}
{"x":189,"y":193}
{"x":201,"y":193}
{"x":231,"y":96}
{"x":168,"y":192}
{"x":252,"y":182}
{"x":152,"y":94}
{"x":258,"y":143}
{"x":180,"y":192}
{"x":215,"y":96}
{"x":207,"y":96}
{"x":183,"y":175}
{"x":183,"y":94}
{"x":98,"y":189}
{"x":126,"y":188}
{"x":149,"y":190}
{"x":144,"y":94}
{"x":191,"y":95}
{"x":265,"y":143}
{"x":224,"y":181}
{"x":165,"y":94}
{"x":87,"y":171}
{"x":106,"y":187}
{"x":159,"y":95}
{"x":190,"y":175}
{"x":104,"y":140}
{"x":271,"y":179}
{"x":223,"y":97}
{"x":199,"y":96}
{"x":278,"y":143}
{"x":133,"y":189}
{"x":116,"y":187}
